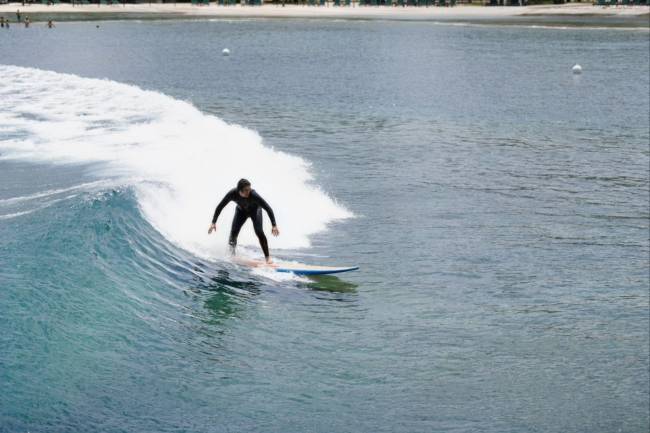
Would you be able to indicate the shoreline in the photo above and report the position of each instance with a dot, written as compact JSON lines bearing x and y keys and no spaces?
{"x":568,"y":15}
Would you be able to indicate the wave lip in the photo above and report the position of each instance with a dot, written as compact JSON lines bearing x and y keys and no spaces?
{"x":178,"y":160}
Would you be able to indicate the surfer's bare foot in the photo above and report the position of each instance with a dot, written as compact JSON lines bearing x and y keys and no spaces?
{"x":269,"y":261}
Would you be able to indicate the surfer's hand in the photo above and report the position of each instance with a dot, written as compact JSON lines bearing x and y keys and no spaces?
{"x":213,"y":228}
{"x":275,"y":231}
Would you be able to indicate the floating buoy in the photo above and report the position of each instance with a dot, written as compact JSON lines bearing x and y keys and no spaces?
{"x":577,"y":69}
{"x":225,"y":52}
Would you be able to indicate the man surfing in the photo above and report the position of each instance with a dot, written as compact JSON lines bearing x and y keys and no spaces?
{"x":249,"y":205}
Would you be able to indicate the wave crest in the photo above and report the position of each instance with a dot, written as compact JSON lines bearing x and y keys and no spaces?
{"x":178,"y":160}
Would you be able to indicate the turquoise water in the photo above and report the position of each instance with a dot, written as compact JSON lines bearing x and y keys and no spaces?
{"x":496,"y":204}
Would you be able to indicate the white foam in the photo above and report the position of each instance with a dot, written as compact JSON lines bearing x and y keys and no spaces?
{"x":183,"y":160}
{"x":37,"y":208}
{"x":51,"y":192}
{"x":16,"y":214}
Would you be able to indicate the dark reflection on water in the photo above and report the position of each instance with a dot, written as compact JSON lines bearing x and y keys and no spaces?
{"x":330,"y":283}
{"x":223,"y":304}
{"x":225,"y":293}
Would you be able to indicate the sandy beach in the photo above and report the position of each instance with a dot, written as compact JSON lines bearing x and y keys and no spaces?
{"x":577,"y":14}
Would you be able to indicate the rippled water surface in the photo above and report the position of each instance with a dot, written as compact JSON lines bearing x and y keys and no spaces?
{"x":496,"y":204}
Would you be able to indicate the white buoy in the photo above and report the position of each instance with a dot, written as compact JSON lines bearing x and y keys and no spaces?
{"x":225,"y":52}
{"x":577,"y":69}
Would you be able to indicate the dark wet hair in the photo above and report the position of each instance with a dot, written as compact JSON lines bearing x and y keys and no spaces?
{"x":243,"y":183}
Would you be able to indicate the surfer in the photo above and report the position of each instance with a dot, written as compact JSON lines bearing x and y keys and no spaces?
{"x":249,"y":205}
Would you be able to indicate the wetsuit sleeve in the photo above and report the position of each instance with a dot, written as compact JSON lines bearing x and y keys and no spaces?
{"x":265,"y":206}
{"x":224,"y":201}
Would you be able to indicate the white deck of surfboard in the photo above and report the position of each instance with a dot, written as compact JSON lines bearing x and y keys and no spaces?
{"x":296,"y":268}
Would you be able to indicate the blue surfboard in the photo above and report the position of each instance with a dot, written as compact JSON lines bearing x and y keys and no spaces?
{"x":300,"y":269}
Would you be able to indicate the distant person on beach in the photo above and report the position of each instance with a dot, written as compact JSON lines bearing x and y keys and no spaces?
{"x":26,"y":22}
{"x":2,"y":21}
{"x":50,"y":24}
{"x":249,"y":205}
{"x":18,"y":14}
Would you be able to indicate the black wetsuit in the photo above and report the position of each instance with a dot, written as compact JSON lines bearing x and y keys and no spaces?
{"x":247,"y":207}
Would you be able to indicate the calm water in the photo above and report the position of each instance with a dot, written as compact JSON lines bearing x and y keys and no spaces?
{"x":496,"y":204}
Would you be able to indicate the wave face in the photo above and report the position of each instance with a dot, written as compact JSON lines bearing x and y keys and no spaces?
{"x":178,"y":160}
{"x":99,"y":307}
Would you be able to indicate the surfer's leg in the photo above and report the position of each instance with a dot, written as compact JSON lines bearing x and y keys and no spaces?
{"x":259,"y":231}
{"x":238,"y":220}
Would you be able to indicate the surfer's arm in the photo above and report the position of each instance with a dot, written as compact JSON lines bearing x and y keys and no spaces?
{"x":265,"y":206}
{"x":224,"y":201}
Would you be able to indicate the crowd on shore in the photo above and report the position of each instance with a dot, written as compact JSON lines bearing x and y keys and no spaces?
{"x":79,"y":4}
{"x":614,"y":13}
{"x":403,"y":3}
{"x":5,"y":23}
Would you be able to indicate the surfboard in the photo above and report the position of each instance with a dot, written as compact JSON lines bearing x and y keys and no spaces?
{"x":301,"y":269}
{"x":296,"y":268}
